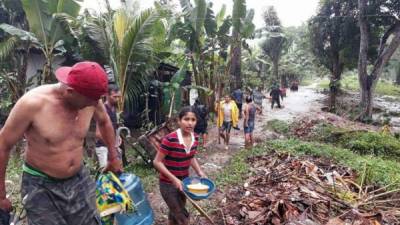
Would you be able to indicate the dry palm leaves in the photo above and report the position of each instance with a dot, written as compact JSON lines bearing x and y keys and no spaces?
{"x":307,"y":191}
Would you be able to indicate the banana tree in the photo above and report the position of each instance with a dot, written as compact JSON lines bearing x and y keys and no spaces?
{"x":49,"y":28}
{"x":243,"y":28}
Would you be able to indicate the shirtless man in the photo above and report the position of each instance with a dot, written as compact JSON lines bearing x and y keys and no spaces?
{"x":54,"y":119}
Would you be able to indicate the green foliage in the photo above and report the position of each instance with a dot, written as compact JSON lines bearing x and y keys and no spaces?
{"x":278,"y":126}
{"x":361,"y":142}
{"x":372,"y":143}
{"x":382,"y":171}
{"x":350,"y":82}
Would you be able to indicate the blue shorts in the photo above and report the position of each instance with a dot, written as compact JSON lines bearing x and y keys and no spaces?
{"x":250,"y":128}
{"x":226,"y":126}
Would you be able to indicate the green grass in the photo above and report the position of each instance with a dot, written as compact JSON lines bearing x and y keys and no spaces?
{"x":381,"y":171}
{"x":148,"y":175}
{"x":350,"y":83}
{"x":278,"y":126}
{"x":238,"y":168}
{"x":361,"y":142}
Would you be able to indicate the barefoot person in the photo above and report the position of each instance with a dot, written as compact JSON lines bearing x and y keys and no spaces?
{"x":228,"y":117}
{"x":173,"y":160}
{"x":54,"y":119}
{"x":249,"y":116}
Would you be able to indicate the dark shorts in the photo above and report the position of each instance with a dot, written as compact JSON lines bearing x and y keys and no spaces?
{"x":62,"y":202}
{"x":201,"y":128}
{"x":176,"y":202}
{"x":250,"y":128}
{"x":226,"y":126}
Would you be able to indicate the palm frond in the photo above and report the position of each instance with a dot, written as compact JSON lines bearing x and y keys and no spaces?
{"x":238,"y":14}
{"x":221,"y":15}
{"x":7,"y":46}
{"x":210,"y":23}
{"x":39,"y":17}
{"x":17,"y":32}
{"x":198,"y":15}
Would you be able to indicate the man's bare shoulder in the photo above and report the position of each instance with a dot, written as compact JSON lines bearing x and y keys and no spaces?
{"x":37,"y":97}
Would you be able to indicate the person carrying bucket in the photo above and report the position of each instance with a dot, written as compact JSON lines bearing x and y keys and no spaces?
{"x":54,"y":119}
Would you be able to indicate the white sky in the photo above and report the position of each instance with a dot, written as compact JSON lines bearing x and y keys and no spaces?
{"x":291,"y":12}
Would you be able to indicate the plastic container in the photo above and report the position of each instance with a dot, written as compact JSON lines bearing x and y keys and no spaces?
{"x":143,"y":214}
{"x":198,"y":196}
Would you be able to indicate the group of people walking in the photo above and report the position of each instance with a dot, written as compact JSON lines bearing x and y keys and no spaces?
{"x":54,"y":120}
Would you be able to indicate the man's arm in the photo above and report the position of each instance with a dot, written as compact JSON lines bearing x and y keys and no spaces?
{"x":106,"y":130}
{"x":18,"y":122}
{"x":245,"y":115}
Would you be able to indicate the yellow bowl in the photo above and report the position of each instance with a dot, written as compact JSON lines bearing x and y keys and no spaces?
{"x":198,"y":188}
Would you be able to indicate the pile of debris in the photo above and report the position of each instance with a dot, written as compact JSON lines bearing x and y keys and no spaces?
{"x":307,"y":191}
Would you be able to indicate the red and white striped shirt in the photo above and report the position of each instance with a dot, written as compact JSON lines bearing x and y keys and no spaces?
{"x":177,"y":160}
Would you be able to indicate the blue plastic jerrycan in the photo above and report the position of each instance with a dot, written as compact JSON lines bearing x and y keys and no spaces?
{"x":143,"y":214}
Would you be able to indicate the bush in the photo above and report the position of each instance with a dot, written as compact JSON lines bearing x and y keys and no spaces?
{"x":372,"y":143}
{"x":278,"y":126}
{"x":361,"y":142}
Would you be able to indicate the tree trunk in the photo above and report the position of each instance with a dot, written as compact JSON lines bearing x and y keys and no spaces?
{"x":275,"y":68}
{"x":235,"y":77}
{"x":386,"y":50}
{"x":398,"y":75}
{"x":195,"y":73}
{"x":334,"y":88}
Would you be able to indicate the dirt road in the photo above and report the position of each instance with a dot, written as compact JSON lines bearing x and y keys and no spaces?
{"x":296,"y":104}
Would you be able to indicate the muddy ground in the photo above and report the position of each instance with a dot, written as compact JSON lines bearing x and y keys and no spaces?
{"x":295,"y":105}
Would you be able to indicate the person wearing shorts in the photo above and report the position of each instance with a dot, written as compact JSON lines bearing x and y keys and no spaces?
{"x":249,"y":115}
{"x":75,"y":196}
{"x":228,"y":117}
{"x":54,"y":119}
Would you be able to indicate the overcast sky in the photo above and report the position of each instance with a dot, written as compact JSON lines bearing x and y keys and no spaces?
{"x":291,"y":12}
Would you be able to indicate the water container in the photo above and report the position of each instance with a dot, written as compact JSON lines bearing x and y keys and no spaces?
{"x":143,"y":214}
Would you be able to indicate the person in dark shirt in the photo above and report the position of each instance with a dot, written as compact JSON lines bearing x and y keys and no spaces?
{"x":112,"y":97}
{"x":201,"y":125}
{"x":238,"y":97}
{"x":275,"y":95}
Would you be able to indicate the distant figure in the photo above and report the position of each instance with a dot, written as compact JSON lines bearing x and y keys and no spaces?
{"x":275,"y":94}
{"x":258,"y":98}
{"x":238,"y":97}
{"x":283,"y":92}
{"x":202,"y":118}
{"x":294,"y":86}
{"x":249,"y":115}
{"x":228,"y":117}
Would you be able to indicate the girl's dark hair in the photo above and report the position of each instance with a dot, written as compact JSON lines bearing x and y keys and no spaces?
{"x":185,"y":110}
{"x":249,"y":99}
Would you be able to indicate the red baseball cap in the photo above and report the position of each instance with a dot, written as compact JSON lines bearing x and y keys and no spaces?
{"x":87,"y":78}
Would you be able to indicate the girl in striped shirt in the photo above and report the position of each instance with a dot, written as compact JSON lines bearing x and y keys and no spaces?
{"x":173,"y":160}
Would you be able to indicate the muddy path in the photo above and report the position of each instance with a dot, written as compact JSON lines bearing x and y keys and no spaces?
{"x":214,"y":157}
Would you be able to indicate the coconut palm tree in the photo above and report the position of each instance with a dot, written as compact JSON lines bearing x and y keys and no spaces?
{"x":132,"y":55}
